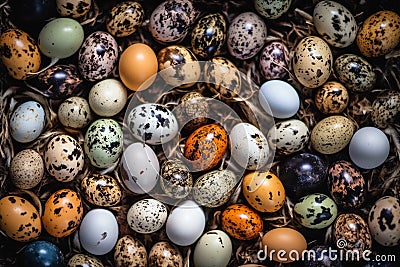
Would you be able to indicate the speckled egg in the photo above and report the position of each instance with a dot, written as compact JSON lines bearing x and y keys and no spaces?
{"x":355,"y":73}
{"x":214,"y":188}
{"x":152,"y":123}
{"x":288,"y":136}
{"x":379,"y":34}
{"x":26,"y":169}
{"x":98,"y":56}
{"x":83,"y":260}
{"x":192,"y":111}
{"x":213,"y":249}
{"x":206,"y":146}
{"x":274,"y":61}
{"x":125,"y":18}
{"x":272,"y":9}
{"x":103,"y":142}
{"x":346,"y":185}
{"x":147,"y":216}
{"x":332,"y":98}
{"x":332,"y":134}
{"x":335,"y":23}
{"x":73,"y":8}
{"x":385,"y":108}
{"x":101,"y":190}
{"x":63,"y":213}
{"x":175,"y":178}
{"x":19,"y":219}
{"x":384,"y":221}
{"x":246,"y":35}
{"x":75,"y":112}
{"x":130,"y":251}
{"x":165,"y":254}
{"x":241,"y":222}
{"x":312,"y":61}
{"x":108,"y":97}
{"x":208,"y":35}
{"x":315,"y":211}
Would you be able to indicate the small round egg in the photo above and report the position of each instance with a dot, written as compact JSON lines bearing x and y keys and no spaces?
{"x":73,"y":8}
{"x":332,"y":98}
{"x":130,"y":251}
{"x":40,"y":253}
{"x":385,"y":108}
{"x":165,"y":254}
{"x":81,"y":260}
{"x":108,"y":97}
{"x":272,"y":9}
{"x":213,"y":249}
{"x":101,"y":190}
{"x":75,"y":112}
{"x":274,"y":61}
{"x":175,"y":179}
{"x":192,"y":111}
{"x":125,"y":18}
{"x":147,"y":216}
{"x":26,"y":169}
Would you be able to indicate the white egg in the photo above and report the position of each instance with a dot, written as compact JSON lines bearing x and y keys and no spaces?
{"x":186,"y":223}
{"x":98,"y":232}
{"x":279,"y":99}
{"x":369,"y":148}
{"x":213,"y":249}
{"x":147,"y":216}
{"x":141,"y":166}
{"x":108,"y":97}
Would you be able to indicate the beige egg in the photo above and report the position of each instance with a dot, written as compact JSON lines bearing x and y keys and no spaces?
{"x":108,"y":97}
{"x":101,"y":190}
{"x":165,"y":254}
{"x":332,"y":98}
{"x":129,"y":251}
{"x":75,"y":112}
{"x":192,"y":112}
{"x":27,"y":169}
{"x":82,"y":260}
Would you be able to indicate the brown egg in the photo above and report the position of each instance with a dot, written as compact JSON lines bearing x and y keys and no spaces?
{"x":27,"y":169}
{"x":332,"y":98}
{"x":192,"y":112}
{"x":101,"y":190}
{"x":129,"y":251}
{"x":165,"y":254}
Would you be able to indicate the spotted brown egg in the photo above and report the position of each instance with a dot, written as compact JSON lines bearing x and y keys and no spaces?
{"x":75,"y":112}
{"x":192,"y":112}
{"x":26,"y":169}
{"x":332,"y":98}
{"x":130,"y":251}
{"x":101,"y":190}
{"x":83,"y":260}
{"x":272,"y":9}
{"x":165,"y":254}
{"x":73,"y":8}
{"x":385,"y":108}
{"x":147,"y":216}
{"x":175,"y":178}
{"x":125,"y":18}
{"x":274,"y":61}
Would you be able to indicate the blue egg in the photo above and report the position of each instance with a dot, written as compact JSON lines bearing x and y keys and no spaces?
{"x":41,"y":254}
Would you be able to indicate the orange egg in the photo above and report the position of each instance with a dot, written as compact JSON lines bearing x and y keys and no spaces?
{"x":264,"y":191}
{"x":137,"y":66}
{"x":63,"y":213}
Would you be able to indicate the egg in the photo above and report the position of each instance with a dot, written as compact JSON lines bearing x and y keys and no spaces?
{"x":274,"y":60}
{"x":63,"y":213}
{"x":175,"y":179}
{"x":125,"y":18}
{"x":369,"y":148}
{"x":79,"y":260}
{"x":27,"y":122}
{"x":98,"y":233}
{"x":192,"y":111}
{"x":165,"y":254}
{"x":141,"y":168}
{"x":332,"y":98}
{"x":335,"y":23}
{"x":385,"y":108}
{"x":332,"y":134}
{"x":272,"y":9}
{"x":19,"y":53}
{"x":19,"y":219}
{"x":206,"y":147}
{"x":41,"y":253}
{"x":108,"y":97}
{"x":379,"y":34}
{"x":147,"y":216}
{"x":271,"y":94}
{"x":74,"y":112}
{"x":320,"y":258}
{"x":241,"y":222}
{"x":246,"y":35}
{"x":213,"y":249}
{"x":355,"y":73}
{"x":138,"y":67}
{"x":249,"y":147}
{"x":152,"y":123}
{"x":384,"y":221}
{"x":130,"y":251}
{"x":26,"y":169}
{"x":64,"y":158}
{"x":312,"y":61}
{"x":103,"y":142}
{"x":213,"y":189}
{"x":101,"y":190}
{"x":73,"y":8}
{"x":185,"y":223}
{"x":288,"y":136}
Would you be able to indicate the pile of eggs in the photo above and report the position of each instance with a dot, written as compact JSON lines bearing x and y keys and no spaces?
{"x":90,"y":183}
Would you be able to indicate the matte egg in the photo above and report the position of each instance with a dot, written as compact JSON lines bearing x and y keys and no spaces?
{"x":75,"y":112}
{"x":165,"y":254}
{"x":125,"y":18}
{"x":79,"y":260}
{"x":101,"y":190}
{"x":73,"y":8}
{"x":130,"y":251}
{"x":26,"y":169}
{"x":272,"y":9}
{"x":107,"y":97}
{"x":385,"y":108}
{"x":213,"y":249}
{"x":332,"y":98}
{"x":147,"y":216}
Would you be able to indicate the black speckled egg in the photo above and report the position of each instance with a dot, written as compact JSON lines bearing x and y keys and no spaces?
{"x":274,"y":61}
{"x":101,"y":190}
{"x":192,"y":112}
{"x":320,"y":257}
{"x":332,"y":98}
{"x":73,"y":8}
{"x":125,"y":18}
{"x":385,"y":108}
{"x":176,"y":180}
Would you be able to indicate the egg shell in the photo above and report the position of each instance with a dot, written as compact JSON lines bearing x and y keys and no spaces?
{"x":384,"y":221}
{"x":246,"y":35}
{"x":332,"y":98}
{"x":79,"y":260}
{"x":213,"y":249}
{"x":129,"y":251}
{"x":192,"y":111}
{"x":27,"y":122}
{"x":40,"y":253}
{"x":312,"y":61}
{"x":241,"y":222}
{"x":19,"y":53}
{"x":26,"y":169}
{"x":274,"y":61}
{"x":125,"y":18}
{"x":101,"y":190}
{"x":19,"y":219}
{"x":165,"y":254}
{"x":175,"y":179}
{"x":385,"y":108}
{"x":73,"y":8}
{"x":63,"y":213}
{"x":272,"y":9}
{"x":320,"y":258}
{"x":108,"y":97}
{"x":75,"y":112}
{"x":147,"y":216}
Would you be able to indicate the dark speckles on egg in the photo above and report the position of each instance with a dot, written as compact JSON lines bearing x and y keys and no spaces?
{"x":101,"y":190}
{"x":129,"y":251}
{"x":385,"y":108}
{"x":147,"y":216}
{"x":125,"y":18}
{"x":274,"y":61}
{"x":175,"y":179}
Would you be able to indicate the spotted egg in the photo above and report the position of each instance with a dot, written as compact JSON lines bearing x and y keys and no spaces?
{"x":192,"y":112}
{"x":176,"y":180}
{"x":74,"y":112}
{"x":125,"y":18}
{"x":147,"y":216}
{"x":246,"y":35}
{"x":385,"y":109}
{"x":79,"y":260}
{"x":165,"y":254}
{"x":26,"y":169}
{"x":272,"y":9}
{"x":101,"y":190}
{"x":274,"y":61}
{"x":130,"y":251}
{"x":63,"y":213}
{"x":73,"y":8}
{"x":332,"y":98}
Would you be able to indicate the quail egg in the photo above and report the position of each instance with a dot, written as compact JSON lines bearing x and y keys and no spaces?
{"x":75,"y":112}
{"x":26,"y":169}
{"x":272,"y":9}
{"x":332,"y":98}
{"x":385,"y":108}
{"x":73,"y":8}
{"x":147,"y":216}
{"x":83,"y":260}
{"x":165,"y":254}
{"x":101,"y":190}
{"x":274,"y":61}
{"x":176,"y":180}
{"x":125,"y":18}
{"x":130,"y":251}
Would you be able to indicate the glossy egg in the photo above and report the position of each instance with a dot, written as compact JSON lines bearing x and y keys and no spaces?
{"x":107,"y":97}
{"x":332,"y":134}
{"x":27,"y":122}
{"x":41,"y":253}
{"x":125,"y":18}
{"x":312,"y":61}
{"x":320,"y":258}
{"x":79,"y":260}
{"x":19,"y":53}
{"x":74,"y":112}
{"x":246,"y":35}
{"x":272,"y":9}
{"x":213,"y":249}
{"x":332,"y":98}
{"x":26,"y":169}
{"x":385,"y":109}
{"x":165,"y":254}
{"x":130,"y":251}
{"x":147,"y":216}
{"x":241,"y":222}
{"x":274,"y":61}
{"x":192,"y":111}
{"x":73,"y":8}
{"x":63,"y":213}
{"x":175,"y":178}
{"x":101,"y":190}
{"x":19,"y":219}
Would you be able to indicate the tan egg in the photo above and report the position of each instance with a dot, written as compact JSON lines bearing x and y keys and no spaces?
{"x":82,"y":260}
{"x":129,"y":251}
{"x":75,"y":112}
{"x":101,"y":190}
{"x":73,"y":8}
{"x":165,"y":254}
{"x":125,"y":18}
{"x":192,"y":112}
{"x":27,"y":169}
{"x":332,"y":98}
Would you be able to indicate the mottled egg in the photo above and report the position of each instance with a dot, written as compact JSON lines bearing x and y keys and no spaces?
{"x":241,"y":222}
{"x":332,"y":134}
{"x":108,"y":97}
{"x":63,"y":213}
{"x":40,"y":253}
{"x":355,"y":73}
{"x":101,"y":190}
{"x":75,"y":112}
{"x":192,"y":112}
{"x":125,"y":18}
{"x":379,"y":34}
{"x":165,"y":254}
{"x":274,"y":61}
{"x":246,"y":35}
{"x":64,"y":158}
{"x":175,"y":178}
{"x":26,"y":169}
{"x":384,"y":221}
{"x":320,"y":258}
{"x":385,"y":108}
{"x":147,"y":216}
{"x":83,"y":260}
{"x":272,"y":9}
{"x":213,"y":249}
{"x":73,"y":8}
{"x":19,"y":219}
{"x":332,"y":98}
{"x":315,"y":211}
{"x":27,"y":122}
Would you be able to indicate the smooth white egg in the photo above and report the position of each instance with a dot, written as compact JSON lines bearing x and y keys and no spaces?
{"x":213,"y":249}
